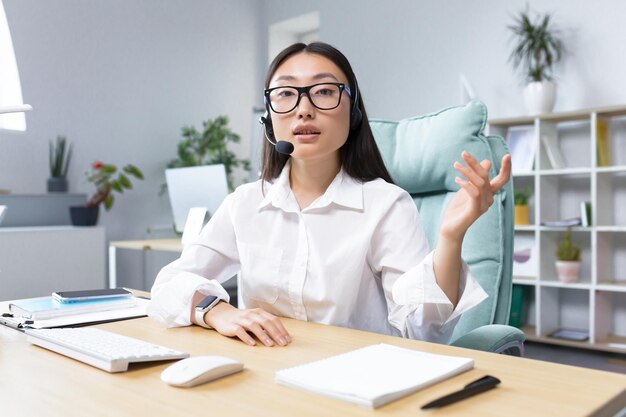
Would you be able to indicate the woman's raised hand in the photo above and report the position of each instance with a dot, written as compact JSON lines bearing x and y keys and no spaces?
{"x":475,"y":196}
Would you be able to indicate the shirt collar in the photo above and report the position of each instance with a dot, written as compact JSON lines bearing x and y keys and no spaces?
{"x":343,"y":190}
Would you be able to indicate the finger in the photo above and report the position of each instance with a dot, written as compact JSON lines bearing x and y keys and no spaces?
{"x":473,"y":164}
{"x":468,"y":187}
{"x":274,"y":327}
{"x":242,"y":334}
{"x":260,"y":333}
{"x":471,"y":175}
{"x":503,"y":176}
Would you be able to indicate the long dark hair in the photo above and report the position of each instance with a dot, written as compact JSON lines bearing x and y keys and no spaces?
{"x":360,"y":157}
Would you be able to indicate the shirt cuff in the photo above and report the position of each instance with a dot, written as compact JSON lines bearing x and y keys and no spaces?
{"x":418,"y":286}
{"x":171,"y":301}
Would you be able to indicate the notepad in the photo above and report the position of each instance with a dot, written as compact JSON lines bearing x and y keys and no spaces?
{"x":47,"y":307}
{"x":374,"y":375}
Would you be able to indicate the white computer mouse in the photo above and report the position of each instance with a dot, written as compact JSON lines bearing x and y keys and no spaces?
{"x":199,"y":369}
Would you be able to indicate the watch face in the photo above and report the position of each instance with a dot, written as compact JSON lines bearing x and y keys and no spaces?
{"x":206,"y":302}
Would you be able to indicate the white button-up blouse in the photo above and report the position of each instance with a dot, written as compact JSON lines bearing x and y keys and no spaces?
{"x":356,"y":257}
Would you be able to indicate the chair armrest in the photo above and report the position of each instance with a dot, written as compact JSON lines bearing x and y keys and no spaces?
{"x":496,"y":338}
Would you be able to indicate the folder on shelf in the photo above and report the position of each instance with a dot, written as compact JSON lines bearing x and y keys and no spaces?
{"x":585,"y":213}
{"x":550,"y":142}
{"x":518,"y":298}
{"x":603,"y":145}
{"x":374,"y":375}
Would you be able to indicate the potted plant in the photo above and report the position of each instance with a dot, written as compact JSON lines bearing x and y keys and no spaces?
{"x":536,"y":50}
{"x":59,"y":155}
{"x":107,"y":179}
{"x":568,"y":259}
{"x":520,"y":198}
{"x":209,"y":147}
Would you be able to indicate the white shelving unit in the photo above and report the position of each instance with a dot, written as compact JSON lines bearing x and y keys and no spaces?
{"x":597,"y":302}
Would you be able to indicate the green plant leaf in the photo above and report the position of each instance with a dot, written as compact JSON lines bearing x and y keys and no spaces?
{"x":108,"y":202}
{"x":134,"y":171}
{"x":108,"y":169}
{"x":116,"y":186}
{"x":124,"y":181}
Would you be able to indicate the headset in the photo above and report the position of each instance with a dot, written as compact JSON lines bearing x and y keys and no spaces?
{"x":286,"y":148}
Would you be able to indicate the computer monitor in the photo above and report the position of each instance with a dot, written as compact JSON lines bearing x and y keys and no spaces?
{"x":202,"y":186}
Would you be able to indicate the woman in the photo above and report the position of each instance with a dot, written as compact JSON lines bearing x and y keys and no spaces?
{"x":325,"y":236}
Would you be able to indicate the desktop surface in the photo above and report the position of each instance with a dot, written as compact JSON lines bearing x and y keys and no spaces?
{"x":39,"y":382}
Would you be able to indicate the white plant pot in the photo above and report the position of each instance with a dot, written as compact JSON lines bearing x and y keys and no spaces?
{"x":568,"y":271}
{"x":539,"y":97}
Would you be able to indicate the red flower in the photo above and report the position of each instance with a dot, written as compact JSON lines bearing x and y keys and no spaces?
{"x":97,"y":165}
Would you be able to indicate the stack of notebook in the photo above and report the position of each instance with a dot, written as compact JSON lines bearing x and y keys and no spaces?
{"x":47,"y":312}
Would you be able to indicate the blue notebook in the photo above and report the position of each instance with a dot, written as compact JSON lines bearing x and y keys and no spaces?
{"x":47,"y":307}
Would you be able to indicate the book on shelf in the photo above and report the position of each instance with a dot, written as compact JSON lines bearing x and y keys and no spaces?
{"x":518,"y":302}
{"x":574,"y":221}
{"x":374,"y":375}
{"x":603,"y":145}
{"x":521,"y":143}
{"x":585,"y":213}
{"x":570,"y":334}
{"x":550,"y":141}
{"x":41,"y":308}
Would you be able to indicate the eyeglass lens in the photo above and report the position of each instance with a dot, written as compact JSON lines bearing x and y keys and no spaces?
{"x":323,"y":96}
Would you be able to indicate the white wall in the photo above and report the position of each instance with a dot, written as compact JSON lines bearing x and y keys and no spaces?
{"x":408,"y":54}
{"x":120,"y":78}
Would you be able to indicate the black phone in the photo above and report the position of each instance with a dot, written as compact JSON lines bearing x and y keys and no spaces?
{"x":73,"y":296}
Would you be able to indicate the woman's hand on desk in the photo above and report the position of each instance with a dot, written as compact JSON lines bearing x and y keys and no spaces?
{"x":230,"y":321}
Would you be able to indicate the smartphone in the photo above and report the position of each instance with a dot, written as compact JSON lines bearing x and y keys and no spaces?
{"x":73,"y":296}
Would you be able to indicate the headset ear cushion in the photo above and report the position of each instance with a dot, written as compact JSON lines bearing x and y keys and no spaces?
{"x":267,"y":122}
{"x":355,"y":118}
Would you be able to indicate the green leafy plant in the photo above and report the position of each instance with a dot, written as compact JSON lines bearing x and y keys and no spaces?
{"x":521,"y":196}
{"x":537,"y":46}
{"x":567,"y":249}
{"x":60,"y":155}
{"x":103,"y":176}
{"x":208,"y":147}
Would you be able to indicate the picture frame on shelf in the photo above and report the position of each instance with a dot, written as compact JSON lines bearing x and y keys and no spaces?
{"x":524,"y":256}
{"x":521,"y":143}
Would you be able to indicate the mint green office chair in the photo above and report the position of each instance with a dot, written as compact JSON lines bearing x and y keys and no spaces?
{"x":419,"y":153}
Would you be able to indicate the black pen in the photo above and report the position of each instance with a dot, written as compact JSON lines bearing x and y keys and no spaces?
{"x":480,"y":385}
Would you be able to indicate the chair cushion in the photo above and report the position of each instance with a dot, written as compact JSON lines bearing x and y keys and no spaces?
{"x":419,"y":153}
{"x":423,"y":148}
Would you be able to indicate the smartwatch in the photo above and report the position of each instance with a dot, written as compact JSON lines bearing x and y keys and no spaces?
{"x":203,"y":306}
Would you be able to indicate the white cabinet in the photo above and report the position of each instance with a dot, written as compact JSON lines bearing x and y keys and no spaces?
{"x":597,"y":302}
{"x":36,"y":261}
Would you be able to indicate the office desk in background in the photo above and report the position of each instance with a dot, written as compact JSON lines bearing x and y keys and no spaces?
{"x":165,"y":245}
{"x":36,"y":382}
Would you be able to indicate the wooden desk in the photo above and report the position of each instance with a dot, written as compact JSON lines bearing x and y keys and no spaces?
{"x":36,"y":382}
{"x":166,"y":245}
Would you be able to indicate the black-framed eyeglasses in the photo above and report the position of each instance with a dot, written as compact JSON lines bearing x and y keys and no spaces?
{"x":324,"y":96}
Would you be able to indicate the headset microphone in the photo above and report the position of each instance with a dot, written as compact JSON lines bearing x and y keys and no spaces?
{"x":282,"y":146}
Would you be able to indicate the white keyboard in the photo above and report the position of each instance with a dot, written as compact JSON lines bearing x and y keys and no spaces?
{"x":100,"y":348}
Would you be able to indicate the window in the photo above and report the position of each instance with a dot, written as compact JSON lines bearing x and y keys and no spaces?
{"x":10,"y":87}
